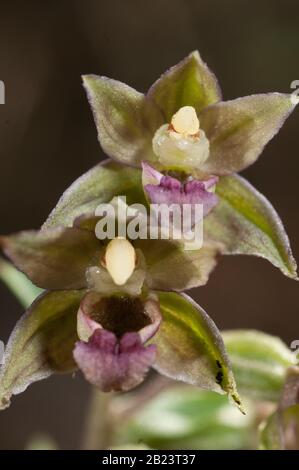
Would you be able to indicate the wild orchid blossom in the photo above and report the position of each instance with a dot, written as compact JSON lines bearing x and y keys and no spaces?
{"x":108,"y":310}
{"x":115,"y":308}
{"x":190,"y":144}
{"x":181,"y":124}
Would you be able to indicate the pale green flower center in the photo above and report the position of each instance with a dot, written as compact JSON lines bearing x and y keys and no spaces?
{"x":182,"y":143}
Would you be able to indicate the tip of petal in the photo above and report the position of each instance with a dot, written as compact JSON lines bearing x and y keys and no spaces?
{"x":150,"y":175}
{"x":194,"y":54}
{"x":86,"y":79}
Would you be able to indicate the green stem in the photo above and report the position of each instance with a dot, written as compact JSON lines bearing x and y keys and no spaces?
{"x":99,"y":425}
{"x":18,"y":283}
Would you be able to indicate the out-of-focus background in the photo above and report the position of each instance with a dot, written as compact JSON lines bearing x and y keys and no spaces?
{"x":48,"y":139}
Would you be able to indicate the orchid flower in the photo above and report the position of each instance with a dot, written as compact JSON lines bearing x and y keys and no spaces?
{"x":190,"y":144}
{"x":108,"y":310}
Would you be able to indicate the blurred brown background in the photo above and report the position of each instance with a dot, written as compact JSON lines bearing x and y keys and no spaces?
{"x":47,"y":139}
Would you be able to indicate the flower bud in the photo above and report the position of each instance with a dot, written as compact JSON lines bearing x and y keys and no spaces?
{"x":120,"y":260}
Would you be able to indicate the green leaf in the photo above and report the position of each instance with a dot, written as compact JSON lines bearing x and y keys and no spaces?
{"x":164,"y":258}
{"x":190,"y":347}
{"x":182,"y":417}
{"x":98,"y":185}
{"x":259,"y":362}
{"x":189,"y":83}
{"x":125,"y":119}
{"x":239,"y":129}
{"x":244,"y":222}
{"x":41,"y":343}
{"x":18,"y":283}
{"x":55,"y":258}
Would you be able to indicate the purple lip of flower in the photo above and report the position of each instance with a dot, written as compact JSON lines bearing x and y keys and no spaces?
{"x":169,"y":190}
{"x":112,"y":364}
{"x":112,"y":355}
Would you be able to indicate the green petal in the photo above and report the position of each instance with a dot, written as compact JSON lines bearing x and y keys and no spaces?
{"x":192,"y":268}
{"x":98,"y":185}
{"x":41,"y":343}
{"x":244,"y":222}
{"x":170,"y":267}
{"x":126,"y":121}
{"x":189,"y":83}
{"x":190,"y":347}
{"x":54,"y":258}
{"x":259,"y":361}
{"x":163,"y":258}
{"x":239,"y":129}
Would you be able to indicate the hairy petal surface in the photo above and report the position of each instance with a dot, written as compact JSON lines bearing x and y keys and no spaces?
{"x":239,"y":129}
{"x":190,"y":347}
{"x":54,"y":258}
{"x":192,"y":268}
{"x":189,"y":83}
{"x":41,"y":343}
{"x":244,"y":222}
{"x":163,"y":257}
{"x":98,"y":185}
{"x":125,"y":119}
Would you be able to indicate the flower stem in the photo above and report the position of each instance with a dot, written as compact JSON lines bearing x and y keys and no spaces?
{"x":98,"y":433}
{"x":18,"y":283}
